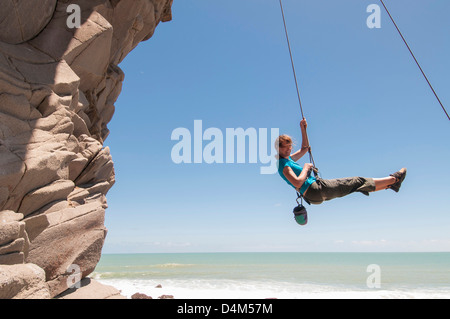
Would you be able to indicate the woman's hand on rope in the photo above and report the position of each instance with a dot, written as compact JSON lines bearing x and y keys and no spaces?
{"x":303,"y":124}
{"x":308,"y":166}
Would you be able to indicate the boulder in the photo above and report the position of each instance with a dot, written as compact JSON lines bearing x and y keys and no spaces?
{"x":13,"y":238}
{"x":24,"y":281}
{"x":139,"y":295}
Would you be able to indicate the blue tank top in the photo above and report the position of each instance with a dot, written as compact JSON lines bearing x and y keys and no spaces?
{"x":283,"y":162}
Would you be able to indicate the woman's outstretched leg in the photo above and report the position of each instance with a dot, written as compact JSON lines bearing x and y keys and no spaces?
{"x":383,"y":183}
{"x":323,"y":189}
{"x":394,"y":181}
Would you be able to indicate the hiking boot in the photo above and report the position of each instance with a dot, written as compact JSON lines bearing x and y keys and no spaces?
{"x":399,"y":177}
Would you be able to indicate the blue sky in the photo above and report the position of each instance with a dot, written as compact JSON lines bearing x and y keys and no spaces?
{"x":226,"y":63}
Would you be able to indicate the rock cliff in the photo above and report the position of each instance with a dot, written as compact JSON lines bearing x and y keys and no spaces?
{"x":59,"y":81}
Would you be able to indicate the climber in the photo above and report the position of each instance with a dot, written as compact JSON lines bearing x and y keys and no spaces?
{"x":316,"y":190}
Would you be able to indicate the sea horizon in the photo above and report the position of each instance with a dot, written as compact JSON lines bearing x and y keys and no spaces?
{"x":282,"y":252}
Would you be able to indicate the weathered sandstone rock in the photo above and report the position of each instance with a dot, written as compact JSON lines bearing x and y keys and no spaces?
{"x":21,"y":20}
{"x":58,"y":87}
{"x":23,"y":281}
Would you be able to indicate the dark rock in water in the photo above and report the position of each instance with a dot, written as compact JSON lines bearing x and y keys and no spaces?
{"x":139,"y":295}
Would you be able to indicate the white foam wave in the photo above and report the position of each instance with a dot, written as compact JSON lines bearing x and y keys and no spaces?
{"x":230,"y":289}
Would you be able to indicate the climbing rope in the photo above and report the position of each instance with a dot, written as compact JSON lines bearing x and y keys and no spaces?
{"x":292,"y":60}
{"x":412,"y":54}
{"x":311,"y":158}
{"x":401,"y":35}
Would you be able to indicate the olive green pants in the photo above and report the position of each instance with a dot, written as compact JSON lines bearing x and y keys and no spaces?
{"x":326,"y":189}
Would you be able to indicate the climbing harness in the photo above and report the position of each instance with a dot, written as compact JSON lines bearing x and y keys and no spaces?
{"x":414,"y":57}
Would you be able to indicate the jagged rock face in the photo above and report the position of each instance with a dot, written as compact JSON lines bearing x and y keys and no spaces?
{"x":58,"y":87}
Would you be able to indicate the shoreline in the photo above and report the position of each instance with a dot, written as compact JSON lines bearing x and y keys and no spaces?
{"x":98,"y":289}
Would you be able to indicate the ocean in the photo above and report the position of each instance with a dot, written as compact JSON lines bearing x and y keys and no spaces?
{"x":279,"y":275}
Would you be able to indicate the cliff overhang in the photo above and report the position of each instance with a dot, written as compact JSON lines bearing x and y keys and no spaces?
{"x":58,"y":86}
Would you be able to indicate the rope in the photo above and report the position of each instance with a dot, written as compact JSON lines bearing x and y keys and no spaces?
{"x":292,"y":60}
{"x":412,"y":54}
{"x":311,"y":158}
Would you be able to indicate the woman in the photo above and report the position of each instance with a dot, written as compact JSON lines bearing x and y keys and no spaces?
{"x":316,"y":190}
